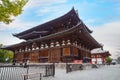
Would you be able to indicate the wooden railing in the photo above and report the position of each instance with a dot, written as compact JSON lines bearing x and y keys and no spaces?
{"x":30,"y":76}
{"x":19,"y":72}
{"x":73,"y":67}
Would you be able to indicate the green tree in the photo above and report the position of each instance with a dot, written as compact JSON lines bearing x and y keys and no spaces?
{"x":108,"y":60}
{"x":9,"y":8}
{"x":6,"y":55}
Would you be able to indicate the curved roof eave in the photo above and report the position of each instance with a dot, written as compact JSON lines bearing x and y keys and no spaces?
{"x":94,"y":41}
{"x":65,"y":32}
{"x":46,"y":37}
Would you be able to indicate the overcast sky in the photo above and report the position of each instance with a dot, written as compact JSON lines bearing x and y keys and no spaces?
{"x":101,"y":16}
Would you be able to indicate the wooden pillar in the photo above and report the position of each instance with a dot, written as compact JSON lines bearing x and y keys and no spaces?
{"x":103,"y":61}
{"x":72,"y":53}
{"x":96,"y":59}
{"x":61,"y":54}
{"x":80,"y":54}
{"x":48,"y":55}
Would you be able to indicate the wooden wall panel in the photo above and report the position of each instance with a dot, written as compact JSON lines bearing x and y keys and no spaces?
{"x":66,"y":51}
{"x":75,"y":51}
{"x":19,"y":57}
{"x":55,"y":55}
{"x":26,"y":55}
{"x":44,"y":53}
{"x":34,"y":57}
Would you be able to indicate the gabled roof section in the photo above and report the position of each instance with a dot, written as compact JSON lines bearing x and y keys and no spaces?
{"x":106,"y":53}
{"x":48,"y":25}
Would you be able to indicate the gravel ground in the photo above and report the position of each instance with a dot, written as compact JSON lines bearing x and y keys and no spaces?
{"x":111,"y":72}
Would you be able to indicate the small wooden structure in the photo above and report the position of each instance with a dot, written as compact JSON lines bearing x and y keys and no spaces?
{"x":64,"y":39}
{"x":99,"y":58}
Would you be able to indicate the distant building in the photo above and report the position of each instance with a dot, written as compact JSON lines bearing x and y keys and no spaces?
{"x":64,"y":39}
{"x":99,"y":57}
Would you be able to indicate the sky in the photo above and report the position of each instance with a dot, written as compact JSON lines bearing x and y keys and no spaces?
{"x":101,"y":16}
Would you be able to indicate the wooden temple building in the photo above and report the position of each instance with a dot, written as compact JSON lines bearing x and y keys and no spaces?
{"x":100,"y":58}
{"x":64,"y":39}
